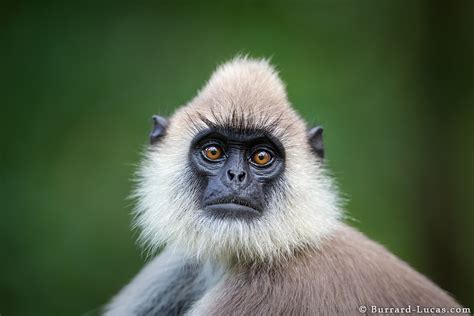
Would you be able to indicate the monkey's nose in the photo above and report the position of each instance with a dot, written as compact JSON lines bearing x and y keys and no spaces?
{"x":239,"y":175}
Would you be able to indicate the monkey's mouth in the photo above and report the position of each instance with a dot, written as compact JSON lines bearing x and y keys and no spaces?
{"x":235,"y":207}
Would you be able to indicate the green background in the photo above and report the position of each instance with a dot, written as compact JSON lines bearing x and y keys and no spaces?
{"x":391,"y":81}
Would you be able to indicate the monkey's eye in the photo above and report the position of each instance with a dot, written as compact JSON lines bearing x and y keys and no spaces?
{"x":212,"y":152}
{"x":261,"y":157}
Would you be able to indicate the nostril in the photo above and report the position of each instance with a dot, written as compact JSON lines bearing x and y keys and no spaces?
{"x":239,"y":176}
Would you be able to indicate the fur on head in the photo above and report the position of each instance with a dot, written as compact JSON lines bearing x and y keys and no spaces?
{"x":242,"y":94}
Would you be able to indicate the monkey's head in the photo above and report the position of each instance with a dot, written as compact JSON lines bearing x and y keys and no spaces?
{"x":236,"y":174}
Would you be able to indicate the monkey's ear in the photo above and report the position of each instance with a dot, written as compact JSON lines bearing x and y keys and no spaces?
{"x":315,"y":136}
{"x":160,"y":124}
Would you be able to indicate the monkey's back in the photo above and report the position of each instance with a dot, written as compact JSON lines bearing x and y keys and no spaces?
{"x":346,"y":272}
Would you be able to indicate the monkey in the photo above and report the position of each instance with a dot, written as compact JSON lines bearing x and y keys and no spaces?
{"x":235,"y":192}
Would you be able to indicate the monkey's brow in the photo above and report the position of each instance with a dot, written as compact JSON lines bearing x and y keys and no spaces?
{"x":242,"y":124}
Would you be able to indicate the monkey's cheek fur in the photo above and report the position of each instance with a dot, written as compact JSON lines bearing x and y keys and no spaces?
{"x":168,"y":213}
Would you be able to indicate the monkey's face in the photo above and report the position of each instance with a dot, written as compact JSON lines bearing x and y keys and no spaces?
{"x":235,"y":174}
{"x":235,"y":171}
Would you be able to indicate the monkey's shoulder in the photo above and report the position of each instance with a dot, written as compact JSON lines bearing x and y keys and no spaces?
{"x":362,"y":266}
{"x":168,"y":285}
{"x":347,"y":271}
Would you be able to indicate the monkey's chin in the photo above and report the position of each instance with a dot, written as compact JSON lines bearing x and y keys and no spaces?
{"x":232,"y":211}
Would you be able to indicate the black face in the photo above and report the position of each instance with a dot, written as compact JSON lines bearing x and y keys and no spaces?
{"x":235,"y":171}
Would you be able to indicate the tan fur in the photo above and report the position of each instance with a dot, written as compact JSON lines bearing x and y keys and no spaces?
{"x":347,"y":272}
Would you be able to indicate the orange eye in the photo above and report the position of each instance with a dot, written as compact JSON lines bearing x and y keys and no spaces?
{"x":261,"y":157}
{"x":212,"y":152}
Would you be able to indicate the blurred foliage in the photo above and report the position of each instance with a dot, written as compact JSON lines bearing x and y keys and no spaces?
{"x":392,"y":83}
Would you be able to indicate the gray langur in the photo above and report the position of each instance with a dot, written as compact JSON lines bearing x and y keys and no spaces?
{"x":234,"y":186}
